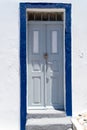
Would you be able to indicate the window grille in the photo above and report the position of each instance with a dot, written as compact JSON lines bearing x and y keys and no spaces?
{"x":45,"y":16}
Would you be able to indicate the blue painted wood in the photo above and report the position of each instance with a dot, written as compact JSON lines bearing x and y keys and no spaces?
{"x":22,"y":68}
{"x":23,"y":7}
{"x":68,"y":61}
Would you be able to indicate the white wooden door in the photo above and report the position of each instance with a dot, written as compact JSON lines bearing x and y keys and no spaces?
{"x":55,"y":72}
{"x":45,"y":73}
{"x":36,"y":65}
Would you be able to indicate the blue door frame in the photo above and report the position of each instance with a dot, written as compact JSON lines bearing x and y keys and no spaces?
{"x":23,"y":68}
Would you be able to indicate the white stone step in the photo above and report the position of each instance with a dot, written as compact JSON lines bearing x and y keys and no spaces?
{"x":45,"y":114}
{"x":63,"y":123}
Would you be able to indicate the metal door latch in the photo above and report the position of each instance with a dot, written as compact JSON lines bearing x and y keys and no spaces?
{"x":45,"y":55}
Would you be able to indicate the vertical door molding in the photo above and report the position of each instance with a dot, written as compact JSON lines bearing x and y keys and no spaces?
{"x":23,"y":68}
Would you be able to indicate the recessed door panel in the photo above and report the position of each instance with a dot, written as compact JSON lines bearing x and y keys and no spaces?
{"x":36,"y":90}
{"x":36,"y":43}
{"x":54,"y":43}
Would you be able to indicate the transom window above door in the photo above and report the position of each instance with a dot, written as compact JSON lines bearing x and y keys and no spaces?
{"x":45,"y":16}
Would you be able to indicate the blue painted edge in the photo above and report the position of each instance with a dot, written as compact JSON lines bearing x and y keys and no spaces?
{"x":23,"y":69}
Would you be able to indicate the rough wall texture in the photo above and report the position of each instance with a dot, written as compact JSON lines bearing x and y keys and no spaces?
{"x":79,"y":56}
{"x":9,"y":60}
{"x":9,"y":66}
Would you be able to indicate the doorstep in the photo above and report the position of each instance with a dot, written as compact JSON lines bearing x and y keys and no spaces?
{"x":45,"y":113}
{"x":63,"y":123}
{"x":48,"y":120}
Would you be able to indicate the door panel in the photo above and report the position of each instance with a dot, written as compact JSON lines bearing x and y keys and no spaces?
{"x":45,"y":73}
{"x":55,"y":66}
{"x":36,"y":66}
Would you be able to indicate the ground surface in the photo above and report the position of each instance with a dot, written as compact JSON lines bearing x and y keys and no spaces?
{"x":80,"y":122}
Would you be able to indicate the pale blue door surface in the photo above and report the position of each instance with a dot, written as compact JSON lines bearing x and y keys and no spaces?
{"x":55,"y":80}
{"x":45,"y":73}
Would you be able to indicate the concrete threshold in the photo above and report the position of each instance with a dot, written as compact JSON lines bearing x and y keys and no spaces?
{"x":63,"y":123}
{"x":45,"y":114}
{"x":48,"y":120}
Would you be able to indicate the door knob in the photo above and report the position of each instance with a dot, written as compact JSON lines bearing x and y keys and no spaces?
{"x":45,"y":55}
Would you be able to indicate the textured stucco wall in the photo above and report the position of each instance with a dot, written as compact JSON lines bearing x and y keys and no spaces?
{"x":9,"y":60}
{"x":79,"y":56}
{"x":9,"y":65}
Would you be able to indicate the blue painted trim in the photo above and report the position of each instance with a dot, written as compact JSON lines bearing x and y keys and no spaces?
{"x":23,"y":78}
{"x":68,"y":65}
{"x":22,"y":67}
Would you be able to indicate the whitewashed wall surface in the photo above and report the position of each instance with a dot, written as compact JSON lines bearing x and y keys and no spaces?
{"x":9,"y":60}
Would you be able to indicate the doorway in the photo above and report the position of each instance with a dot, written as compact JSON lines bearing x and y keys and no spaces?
{"x":24,"y":8}
{"x":45,"y":65}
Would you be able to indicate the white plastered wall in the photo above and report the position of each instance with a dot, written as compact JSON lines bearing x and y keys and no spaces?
{"x":79,"y":56}
{"x":9,"y":60}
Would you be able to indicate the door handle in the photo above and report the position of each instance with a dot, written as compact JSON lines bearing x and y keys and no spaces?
{"x":45,"y":56}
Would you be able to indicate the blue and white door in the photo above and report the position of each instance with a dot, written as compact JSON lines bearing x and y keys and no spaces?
{"x":45,"y":65}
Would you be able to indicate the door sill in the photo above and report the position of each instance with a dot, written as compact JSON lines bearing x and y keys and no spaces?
{"x":45,"y":113}
{"x":44,"y":109}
